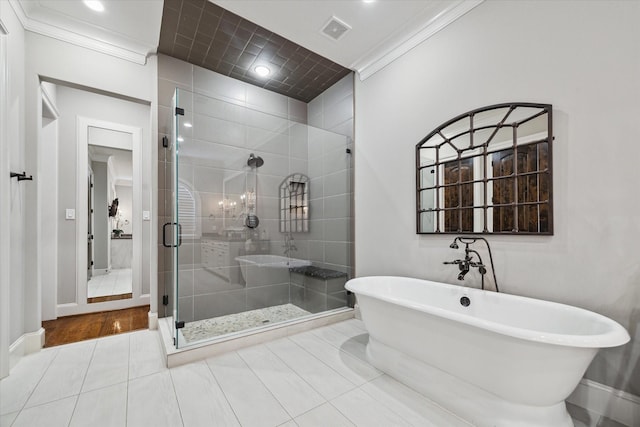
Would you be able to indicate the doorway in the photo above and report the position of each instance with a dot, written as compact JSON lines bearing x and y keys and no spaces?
{"x":97,"y":133}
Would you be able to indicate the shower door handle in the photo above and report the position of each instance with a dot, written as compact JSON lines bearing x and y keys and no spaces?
{"x":164,"y":235}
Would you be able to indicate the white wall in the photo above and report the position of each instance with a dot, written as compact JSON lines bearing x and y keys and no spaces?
{"x":582,"y":57}
{"x":73,"y":103}
{"x":50,"y":59}
{"x":30,"y":58}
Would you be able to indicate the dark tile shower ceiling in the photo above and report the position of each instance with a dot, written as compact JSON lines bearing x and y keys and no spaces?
{"x":205,"y":34}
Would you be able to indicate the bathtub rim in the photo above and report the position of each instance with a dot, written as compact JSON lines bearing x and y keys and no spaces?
{"x":616,"y":335}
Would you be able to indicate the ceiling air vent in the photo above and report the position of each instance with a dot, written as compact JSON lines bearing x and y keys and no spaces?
{"x":335,"y":28}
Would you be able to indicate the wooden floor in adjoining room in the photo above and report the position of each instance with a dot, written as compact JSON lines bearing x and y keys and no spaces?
{"x":65,"y":330}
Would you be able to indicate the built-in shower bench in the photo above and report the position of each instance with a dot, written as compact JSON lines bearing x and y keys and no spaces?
{"x":318,"y":289}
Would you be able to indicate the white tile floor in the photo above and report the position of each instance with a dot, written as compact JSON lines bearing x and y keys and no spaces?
{"x":316,"y":378}
{"x":115,"y":282}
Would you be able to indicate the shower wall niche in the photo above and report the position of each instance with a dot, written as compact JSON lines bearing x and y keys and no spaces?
{"x":231,"y":161}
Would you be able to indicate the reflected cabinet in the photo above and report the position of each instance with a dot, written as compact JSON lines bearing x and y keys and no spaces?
{"x":487,"y":171}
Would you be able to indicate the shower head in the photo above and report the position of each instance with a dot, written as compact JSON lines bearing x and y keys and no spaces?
{"x":255,"y":161}
{"x":454,"y":245}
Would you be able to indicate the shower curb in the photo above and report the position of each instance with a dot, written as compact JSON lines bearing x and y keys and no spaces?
{"x":176,"y":357}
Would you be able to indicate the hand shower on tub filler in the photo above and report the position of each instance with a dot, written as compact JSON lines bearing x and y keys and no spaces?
{"x":465,"y":265}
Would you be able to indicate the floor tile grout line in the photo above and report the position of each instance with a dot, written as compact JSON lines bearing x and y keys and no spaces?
{"x":419,"y":394}
{"x":223,"y":392}
{"x":326,"y":364}
{"x":297,"y":374}
{"x":379,"y":376}
{"x":338,"y":409}
{"x":84,"y":378}
{"x":351,"y":356}
{"x":126,"y":401}
{"x":263,"y":383}
{"x":175,"y":395}
{"x":328,"y":401}
{"x":347,"y":337}
{"x":42,"y":404}
{"x":99,"y":388}
{"x":331,"y":401}
{"x":57,"y":352}
{"x":338,"y":331}
{"x":301,"y":377}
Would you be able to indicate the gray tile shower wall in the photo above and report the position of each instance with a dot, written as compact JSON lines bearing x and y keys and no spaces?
{"x":330,"y":241}
{"x":273,"y":127}
{"x":205,"y":292}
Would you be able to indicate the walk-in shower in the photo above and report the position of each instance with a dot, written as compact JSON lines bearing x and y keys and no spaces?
{"x":257,"y":220}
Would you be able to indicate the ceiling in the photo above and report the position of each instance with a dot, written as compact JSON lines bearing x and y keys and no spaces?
{"x":205,"y":34}
{"x":127,"y":29}
{"x":379,"y":27}
{"x":380,"y":32}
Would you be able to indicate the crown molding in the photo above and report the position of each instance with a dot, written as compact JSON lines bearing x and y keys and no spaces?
{"x":57,"y":33}
{"x":3,"y":29}
{"x":49,"y":108}
{"x":445,"y":18}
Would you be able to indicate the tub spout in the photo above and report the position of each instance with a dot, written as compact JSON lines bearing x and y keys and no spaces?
{"x":464,"y":269}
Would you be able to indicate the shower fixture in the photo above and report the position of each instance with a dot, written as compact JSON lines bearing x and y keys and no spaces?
{"x":255,"y":161}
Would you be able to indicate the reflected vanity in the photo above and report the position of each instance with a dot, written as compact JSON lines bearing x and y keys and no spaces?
{"x":487,"y":171}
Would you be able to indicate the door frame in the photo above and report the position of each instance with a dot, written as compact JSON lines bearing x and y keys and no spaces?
{"x":90,"y":224}
{"x":81,"y":306}
{"x":5,"y":210}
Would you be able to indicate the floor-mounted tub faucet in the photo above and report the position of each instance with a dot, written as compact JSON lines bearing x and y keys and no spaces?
{"x":465,"y":265}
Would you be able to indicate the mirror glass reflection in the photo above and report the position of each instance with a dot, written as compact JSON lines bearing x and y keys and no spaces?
{"x":487,"y":171}
{"x":109,"y":234}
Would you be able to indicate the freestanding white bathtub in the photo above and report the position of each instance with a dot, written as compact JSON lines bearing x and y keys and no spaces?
{"x":502,"y":360}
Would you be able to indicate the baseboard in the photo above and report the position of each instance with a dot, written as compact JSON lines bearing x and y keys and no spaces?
{"x":28,"y":343}
{"x":603,"y":400}
{"x":153,"y":320}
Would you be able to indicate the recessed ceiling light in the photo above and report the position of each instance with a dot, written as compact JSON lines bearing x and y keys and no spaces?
{"x":262,"y":71}
{"x":95,"y":5}
{"x":180,"y":139}
{"x":187,"y":125}
{"x":368,"y":1}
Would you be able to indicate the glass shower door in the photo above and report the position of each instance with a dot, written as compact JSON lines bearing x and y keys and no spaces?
{"x":171,"y":230}
{"x":261,"y":219}
{"x":184,"y":217}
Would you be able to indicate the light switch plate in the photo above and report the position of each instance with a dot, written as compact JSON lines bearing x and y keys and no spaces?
{"x":146,"y":216}
{"x":70,"y":214}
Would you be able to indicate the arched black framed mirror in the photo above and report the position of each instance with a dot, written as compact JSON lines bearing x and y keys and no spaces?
{"x":294,"y":204}
{"x":487,"y":171}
